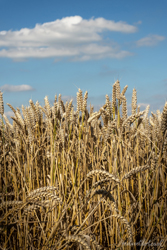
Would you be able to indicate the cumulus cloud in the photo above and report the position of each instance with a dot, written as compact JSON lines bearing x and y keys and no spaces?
{"x":67,"y":37}
{"x":143,"y":104}
{"x":16,"y":88}
{"x":9,"y":113}
{"x":150,"y":40}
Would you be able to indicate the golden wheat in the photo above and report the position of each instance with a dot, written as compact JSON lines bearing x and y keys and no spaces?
{"x":72,"y":178}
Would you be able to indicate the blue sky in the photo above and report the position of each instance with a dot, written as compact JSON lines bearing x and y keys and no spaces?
{"x":48,"y":47}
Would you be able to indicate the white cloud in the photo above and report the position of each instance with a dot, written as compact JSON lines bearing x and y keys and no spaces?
{"x":150,"y":40}
{"x":66,"y":37}
{"x":16,"y":88}
{"x":9,"y":113}
{"x":139,"y":22}
{"x":143,"y":104}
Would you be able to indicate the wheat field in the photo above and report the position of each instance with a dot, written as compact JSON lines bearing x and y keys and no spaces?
{"x":79,"y":179}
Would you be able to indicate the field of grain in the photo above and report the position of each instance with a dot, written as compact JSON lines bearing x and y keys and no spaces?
{"x":79,"y":179}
